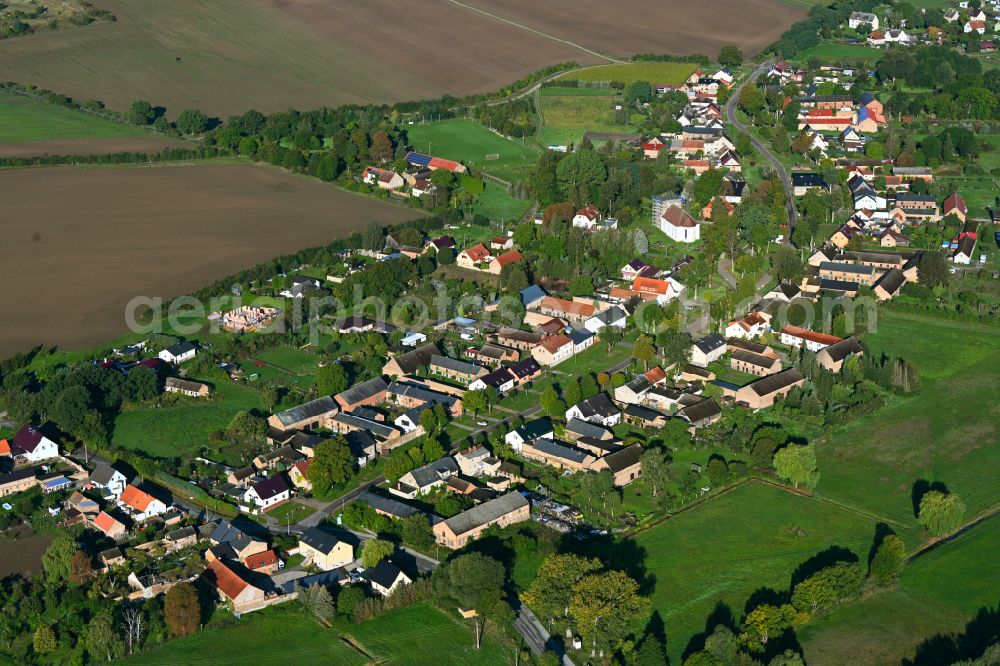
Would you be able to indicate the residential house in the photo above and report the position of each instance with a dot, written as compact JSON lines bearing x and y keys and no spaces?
{"x":426,"y":478}
{"x":531,"y":295}
{"x":651,"y":289}
{"x":753,"y":325}
{"x":964,"y":250}
{"x":679,"y":226}
{"x":385,"y":578}
{"x":409,"y":396}
{"x":29,"y":445}
{"x":635,"y":268}
{"x":578,"y":428}
{"x":558,"y":455}
{"x":525,"y":371}
{"x":472,"y":257}
{"x":268,"y":493}
{"x":793,"y":336}
{"x":832,"y":358}
{"x":803,"y":181}
{"x":263,"y":563}
{"x":835,"y":270}
{"x":231,"y":542}
{"x":108,"y":479}
{"x":502,"y":243}
{"x":553,"y":350}
{"x":974,"y":26}
{"x":501,"y":380}
{"x":529,"y":432}
{"x":141,"y":504}
{"x":613,"y":316}
{"x":505,"y":259}
{"x":863,"y":21}
{"x":233,"y":587}
{"x":517,"y":339}
{"x":111,"y":527}
{"x":644,"y":417}
{"x":477,"y":461}
{"x":326,"y":550}
{"x":596,"y":409}
{"x":707,"y":349}
{"x":185,"y":387}
{"x":385,"y":179}
{"x":634,"y":391}
{"x":457,"y":531}
{"x":576,"y":311}
{"x":587,"y":217}
{"x":178,"y":353}
{"x":387,"y":506}
{"x":918,"y":207}
{"x":493,"y":355}
{"x":763,"y":392}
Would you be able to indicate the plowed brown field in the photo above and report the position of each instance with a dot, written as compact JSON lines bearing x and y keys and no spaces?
{"x":226,"y":56}
{"x":79,"y":243}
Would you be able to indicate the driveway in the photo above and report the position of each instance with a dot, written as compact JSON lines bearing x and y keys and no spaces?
{"x":779,"y":168}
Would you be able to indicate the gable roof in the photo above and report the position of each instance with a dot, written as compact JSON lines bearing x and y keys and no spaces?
{"x":678,"y":217}
{"x":531,"y":293}
{"x":710,"y":343}
{"x":27,"y":439}
{"x":362,"y":391}
{"x":137,"y":499}
{"x":413,"y":360}
{"x":384,"y":574}
{"x":271,"y":487}
{"x":225,"y":579}
{"x":699,"y":411}
{"x":107,"y":523}
{"x":623,"y":458}
{"x":597,"y":405}
{"x":776,"y":382}
{"x":585,"y":428}
{"x":103,"y":474}
{"x":891,"y":281}
{"x":477,"y":252}
{"x":535,"y":429}
{"x":486,"y":512}
{"x":309,"y":410}
{"x":393,"y":507}
{"x":509,"y":258}
{"x":324,"y":541}
{"x":841,"y":350}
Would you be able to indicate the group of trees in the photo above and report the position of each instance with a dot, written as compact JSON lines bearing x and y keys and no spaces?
{"x":189,"y":121}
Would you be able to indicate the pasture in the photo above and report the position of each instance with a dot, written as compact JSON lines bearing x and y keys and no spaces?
{"x":469,"y":142}
{"x":937,"y":594}
{"x":846,"y":53}
{"x":181,"y":429}
{"x":289,"y":637}
{"x":306,"y":54}
{"x":944,"y":433}
{"x":496,"y":204}
{"x":723,"y":550}
{"x":565,"y":119}
{"x":650,"y":72}
{"x":30,"y":127}
{"x":102,"y":236}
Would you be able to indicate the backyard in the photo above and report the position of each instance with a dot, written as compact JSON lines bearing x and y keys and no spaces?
{"x":565,"y":118}
{"x":470,"y":143}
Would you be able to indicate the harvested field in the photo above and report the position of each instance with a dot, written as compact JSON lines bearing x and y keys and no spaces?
{"x":225,"y":56}
{"x":79,"y":243}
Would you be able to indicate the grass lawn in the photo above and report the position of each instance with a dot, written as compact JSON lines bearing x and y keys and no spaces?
{"x":26,"y":119}
{"x":944,"y":433}
{"x":651,"y":72}
{"x":842,"y":53}
{"x":297,"y":361}
{"x":182,"y":428}
{"x":566,"y":118}
{"x":284,"y":633}
{"x":978,"y":191}
{"x":496,"y":204}
{"x":728,"y":547}
{"x":937,"y":593}
{"x":411,"y":635}
{"x":566,"y":91}
{"x":470,"y":142}
{"x":290,"y":512}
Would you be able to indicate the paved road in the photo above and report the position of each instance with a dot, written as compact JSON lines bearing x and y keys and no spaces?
{"x":779,"y":168}
{"x":535,"y":634}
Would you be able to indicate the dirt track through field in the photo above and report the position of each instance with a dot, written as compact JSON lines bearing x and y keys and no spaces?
{"x":226,"y":56}
{"x":77,"y":244}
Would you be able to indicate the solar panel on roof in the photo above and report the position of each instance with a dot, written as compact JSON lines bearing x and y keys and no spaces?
{"x":418,"y":159}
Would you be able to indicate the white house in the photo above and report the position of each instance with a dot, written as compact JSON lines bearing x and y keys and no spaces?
{"x":707,"y":349}
{"x":413,"y":339}
{"x":679,"y":226}
{"x":749,"y":327}
{"x":976,"y":26}
{"x":31,"y":446}
{"x":529,"y":432}
{"x":613,"y":316}
{"x":793,"y":336}
{"x":587,"y":217}
{"x":178,"y":353}
{"x":385,"y":577}
{"x":858,"y":19}
{"x":265,"y":494}
{"x":108,"y":478}
{"x":596,"y":409}
{"x":141,"y":504}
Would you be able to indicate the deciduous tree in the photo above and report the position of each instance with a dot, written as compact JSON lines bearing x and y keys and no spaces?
{"x":182,"y":610}
{"x":374,"y":551}
{"x":940,"y":512}
{"x":797,"y":464}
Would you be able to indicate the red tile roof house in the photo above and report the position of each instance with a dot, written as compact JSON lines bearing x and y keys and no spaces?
{"x":233,"y":587}
{"x":587,"y":217}
{"x":110,"y":526}
{"x":471,"y":258}
{"x":505,"y":259}
{"x":793,"y":336}
{"x":141,"y":504}
{"x":955,"y":205}
{"x":553,"y":350}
